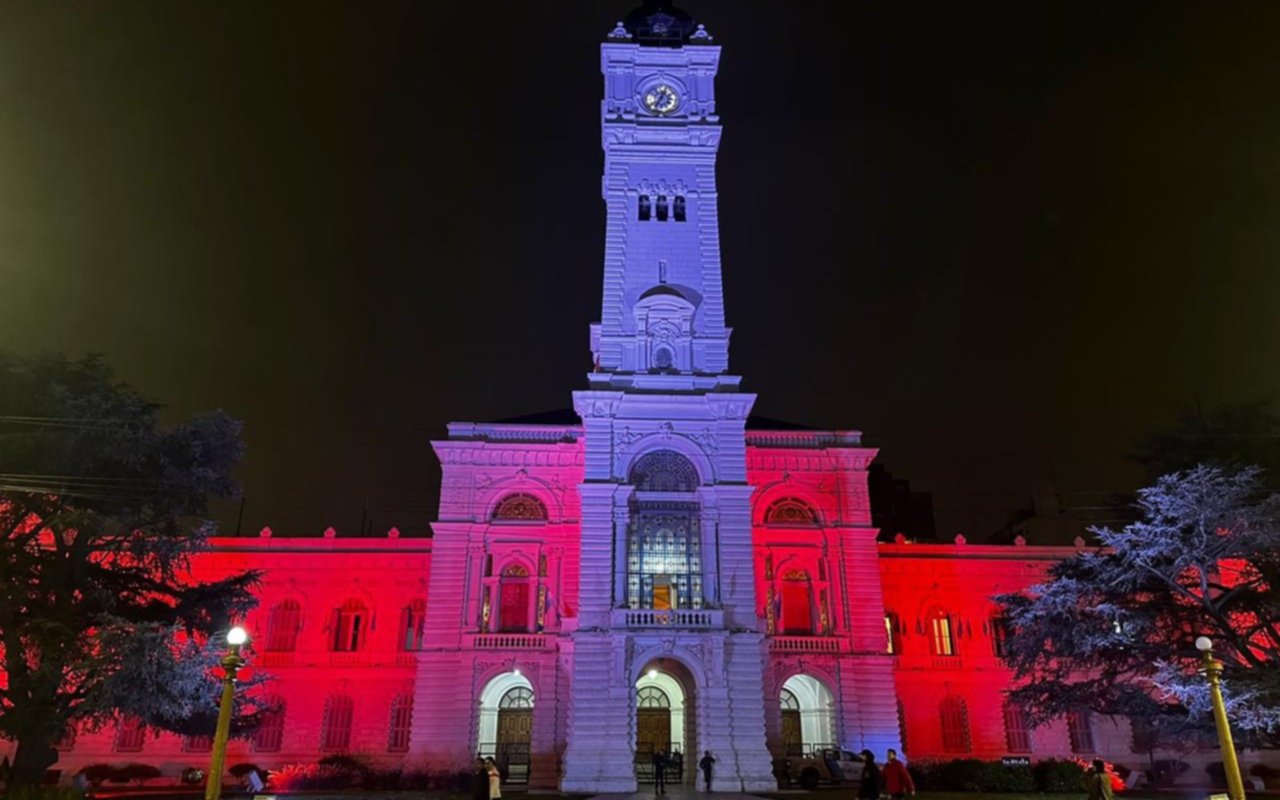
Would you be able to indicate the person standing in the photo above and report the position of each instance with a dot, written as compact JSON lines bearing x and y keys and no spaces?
{"x":659,"y":771}
{"x":869,"y":788}
{"x":707,"y":764}
{"x":1097,"y":783}
{"x":495,"y":779}
{"x":479,"y":780}
{"x":897,"y":781}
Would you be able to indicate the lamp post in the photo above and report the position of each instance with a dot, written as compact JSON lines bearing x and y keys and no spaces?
{"x":1212,"y":669}
{"x":231,"y":663}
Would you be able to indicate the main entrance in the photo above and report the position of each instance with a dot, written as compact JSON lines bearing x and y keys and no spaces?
{"x":662,"y":724}
{"x":506,"y":725}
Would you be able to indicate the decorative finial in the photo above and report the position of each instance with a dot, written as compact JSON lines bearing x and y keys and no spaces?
{"x":1079,"y":542}
{"x":394,"y":533}
{"x":1020,"y":540}
{"x":900,"y":538}
{"x":330,"y":533}
{"x":620,"y":32}
{"x":701,"y":35}
{"x":960,"y":538}
{"x":265,"y":533}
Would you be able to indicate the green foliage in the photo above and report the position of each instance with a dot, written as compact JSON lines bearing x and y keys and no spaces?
{"x":1057,"y":776}
{"x":972,"y":775}
{"x":100,"y":513}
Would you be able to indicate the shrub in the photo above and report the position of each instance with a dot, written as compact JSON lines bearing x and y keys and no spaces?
{"x":192,"y":776}
{"x":972,"y":775}
{"x":1165,"y":771}
{"x":304,"y":777}
{"x":242,"y":769}
{"x":1057,"y":776}
{"x":138,"y":773}
{"x":96,"y":774}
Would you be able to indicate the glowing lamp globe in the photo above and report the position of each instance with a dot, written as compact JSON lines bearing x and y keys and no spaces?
{"x":1204,"y":644}
{"x":237,"y":636}
{"x":653,"y":673}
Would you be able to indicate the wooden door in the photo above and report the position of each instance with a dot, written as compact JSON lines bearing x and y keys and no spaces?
{"x":515,"y":731}
{"x":653,"y":733}
{"x":792,"y":739}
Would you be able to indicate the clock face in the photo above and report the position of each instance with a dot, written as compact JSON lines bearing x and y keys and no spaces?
{"x":661,"y":99}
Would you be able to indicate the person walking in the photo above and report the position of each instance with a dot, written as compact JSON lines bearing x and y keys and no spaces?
{"x":707,"y":764}
{"x":659,"y":771}
{"x":495,"y":779}
{"x":869,"y":788}
{"x":1097,"y":783}
{"x":479,"y":780}
{"x":897,"y":781}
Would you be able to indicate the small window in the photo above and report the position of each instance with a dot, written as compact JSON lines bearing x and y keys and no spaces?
{"x":954,"y":716}
{"x":1000,"y":636}
{"x":269,"y":735}
{"x":130,"y":735}
{"x":662,"y":208}
{"x":283,"y":625}
{"x":891,"y":633}
{"x":335,"y":727}
{"x":791,"y":512}
{"x":680,"y":212}
{"x":1080,"y":730}
{"x":413,"y":620}
{"x":942,"y":641}
{"x":646,"y":210}
{"x":401,"y":724}
{"x":349,"y":624}
{"x":1017,"y":734}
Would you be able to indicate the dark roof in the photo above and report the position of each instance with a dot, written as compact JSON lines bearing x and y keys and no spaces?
{"x":660,"y":24}
{"x":567,"y":416}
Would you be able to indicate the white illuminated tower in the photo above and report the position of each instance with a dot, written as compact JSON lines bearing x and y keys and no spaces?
{"x":667,"y":589}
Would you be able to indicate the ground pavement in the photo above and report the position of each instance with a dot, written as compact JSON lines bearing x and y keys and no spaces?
{"x":674,"y":792}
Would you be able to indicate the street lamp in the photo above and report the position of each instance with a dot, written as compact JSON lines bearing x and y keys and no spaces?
{"x":231,"y":663}
{"x":1212,"y":669}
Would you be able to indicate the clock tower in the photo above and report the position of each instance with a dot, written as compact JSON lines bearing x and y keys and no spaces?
{"x":666,"y":588}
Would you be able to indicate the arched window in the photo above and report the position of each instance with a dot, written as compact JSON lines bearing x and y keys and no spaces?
{"x":788,"y":701}
{"x":942,"y":639}
{"x":1080,"y":731}
{"x":663,"y":359}
{"x":413,"y":620}
{"x":999,"y":636}
{"x":518,"y":699}
{"x":130,"y":735}
{"x":646,"y":209}
{"x":269,"y":735}
{"x":892,"y":646}
{"x":520,"y":507}
{"x":349,"y":627}
{"x":401,"y":723}
{"x":954,"y":717}
{"x":514,"y":593}
{"x":1017,"y":734}
{"x":797,"y":604}
{"x":791,"y":512}
{"x":652,"y":697}
{"x":335,"y":727}
{"x":662,"y":208}
{"x":680,"y":209}
{"x":664,"y":471}
{"x":283,"y":626}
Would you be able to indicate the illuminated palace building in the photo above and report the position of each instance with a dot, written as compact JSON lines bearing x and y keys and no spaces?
{"x":656,"y":569}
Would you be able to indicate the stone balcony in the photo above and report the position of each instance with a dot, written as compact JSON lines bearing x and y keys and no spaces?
{"x":667,"y":619}
{"x":807,"y":644}
{"x":512,"y":641}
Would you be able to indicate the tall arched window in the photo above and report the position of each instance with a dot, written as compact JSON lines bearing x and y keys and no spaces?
{"x":413,"y":620}
{"x":942,"y":639}
{"x":1080,"y":731}
{"x":520,"y":507}
{"x":664,"y":544}
{"x":130,"y":735}
{"x":892,"y":646}
{"x":999,"y":636}
{"x":349,"y":627}
{"x":269,"y":735}
{"x":1017,"y":734}
{"x":335,"y":726}
{"x":514,"y":594}
{"x":792,"y":512}
{"x":283,"y":626}
{"x":954,"y":717}
{"x":797,"y":604}
{"x":401,"y":723}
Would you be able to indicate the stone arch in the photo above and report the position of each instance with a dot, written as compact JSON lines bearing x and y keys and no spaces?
{"x":668,"y":440}
{"x":686,"y":657}
{"x":518,"y":506}
{"x":489,"y":711}
{"x":773,"y":494}
{"x":521,"y":483}
{"x":817,"y":712}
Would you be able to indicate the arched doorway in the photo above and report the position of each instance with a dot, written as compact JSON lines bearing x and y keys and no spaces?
{"x":664,"y":719}
{"x":506,"y":725}
{"x":808,"y":715}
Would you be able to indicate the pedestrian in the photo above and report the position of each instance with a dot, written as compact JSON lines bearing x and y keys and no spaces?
{"x":659,"y":771}
{"x":1097,"y":783}
{"x":707,"y":763}
{"x":869,"y":788}
{"x":897,"y":781}
{"x":479,"y":779}
{"x":495,"y":779}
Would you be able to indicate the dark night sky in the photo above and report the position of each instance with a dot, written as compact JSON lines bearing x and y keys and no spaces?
{"x":1000,"y":238}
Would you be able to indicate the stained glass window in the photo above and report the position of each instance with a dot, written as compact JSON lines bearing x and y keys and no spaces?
{"x":664,"y":471}
{"x":520,"y":508}
{"x":790,"y":511}
{"x":664,"y":557}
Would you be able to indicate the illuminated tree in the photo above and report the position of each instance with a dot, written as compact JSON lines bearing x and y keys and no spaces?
{"x":1113,"y":629}
{"x":100,"y":513}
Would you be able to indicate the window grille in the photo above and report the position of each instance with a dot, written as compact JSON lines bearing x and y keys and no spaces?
{"x":520,"y":697}
{"x":1017,"y":734}
{"x":520,"y":507}
{"x":954,"y":716}
{"x":664,"y":471}
{"x":197,"y":744}
{"x":283,"y":627}
{"x":130,"y":735}
{"x":664,"y":556}
{"x":401,"y":724}
{"x":1080,"y":731}
{"x":335,"y":728}
{"x":269,"y":736}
